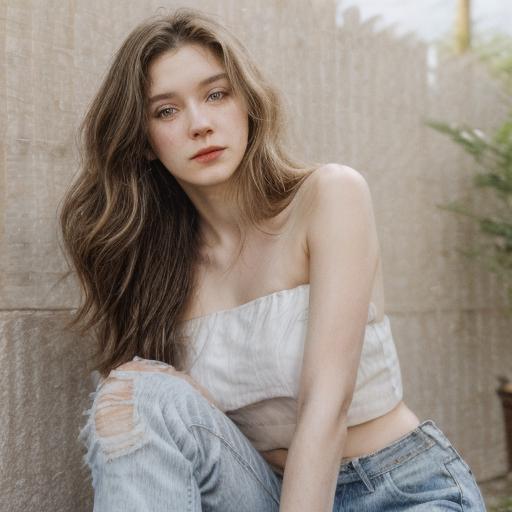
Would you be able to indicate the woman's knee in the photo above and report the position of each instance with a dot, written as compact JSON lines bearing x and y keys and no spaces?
{"x":130,"y":404}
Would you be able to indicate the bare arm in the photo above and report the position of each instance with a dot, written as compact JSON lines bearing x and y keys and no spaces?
{"x":343,"y":249}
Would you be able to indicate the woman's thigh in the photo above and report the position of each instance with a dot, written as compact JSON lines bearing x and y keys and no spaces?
{"x":421,"y":471}
{"x":154,"y":443}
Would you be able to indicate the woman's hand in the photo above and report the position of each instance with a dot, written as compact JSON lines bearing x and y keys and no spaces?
{"x":139,"y":364}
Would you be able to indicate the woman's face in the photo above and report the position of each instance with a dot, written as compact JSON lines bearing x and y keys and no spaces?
{"x":191,"y":108}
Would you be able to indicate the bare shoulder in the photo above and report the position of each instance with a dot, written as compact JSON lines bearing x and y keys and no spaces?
{"x":328,"y":179}
{"x":338,"y":172}
{"x":326,"y":182}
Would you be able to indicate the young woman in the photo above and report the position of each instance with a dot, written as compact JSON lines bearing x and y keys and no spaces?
{"x":245,"y":357}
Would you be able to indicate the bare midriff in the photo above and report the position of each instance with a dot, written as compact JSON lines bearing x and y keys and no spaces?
{"x":363,"y":439}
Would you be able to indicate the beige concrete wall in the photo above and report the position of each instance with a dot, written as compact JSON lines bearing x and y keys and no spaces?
{"x":354,"y":96}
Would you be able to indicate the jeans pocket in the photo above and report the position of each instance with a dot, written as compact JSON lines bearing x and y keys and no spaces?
{"x":423,"y":479}
{"x":472,"y":499}
{"x":461,"y":460}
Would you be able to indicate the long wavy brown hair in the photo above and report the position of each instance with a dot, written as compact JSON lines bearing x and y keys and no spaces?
{"x":130,"y":232}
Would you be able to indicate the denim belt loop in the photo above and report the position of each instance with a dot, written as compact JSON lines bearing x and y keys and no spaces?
{"x":361,"y":472}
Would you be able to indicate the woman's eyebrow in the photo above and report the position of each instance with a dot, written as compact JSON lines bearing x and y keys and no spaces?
{"x":206,"y":81}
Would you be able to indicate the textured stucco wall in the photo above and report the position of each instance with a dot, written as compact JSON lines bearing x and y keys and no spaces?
{"x":354,"y":96}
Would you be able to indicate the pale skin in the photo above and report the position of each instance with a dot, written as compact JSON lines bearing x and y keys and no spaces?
{"x":343,"y":267}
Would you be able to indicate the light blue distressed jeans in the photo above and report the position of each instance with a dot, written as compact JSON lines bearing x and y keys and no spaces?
{"x":154,"y":444}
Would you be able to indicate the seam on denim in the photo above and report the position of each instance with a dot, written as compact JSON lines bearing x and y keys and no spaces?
{"x":449,"y":448}
{"x":363,"y":475}
{"x":189,"y":500}
{"x":237,"y":457}
{"x":394,"y":443}
{"x":437,"y":441}
{"x":456,"y":482}
{"x":457,"y":455}
{"x":400,"y":461}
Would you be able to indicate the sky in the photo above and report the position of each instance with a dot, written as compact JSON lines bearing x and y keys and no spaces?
{"x":432,"y":19}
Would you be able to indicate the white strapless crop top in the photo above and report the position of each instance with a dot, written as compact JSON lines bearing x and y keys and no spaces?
{"x":249,"y":358}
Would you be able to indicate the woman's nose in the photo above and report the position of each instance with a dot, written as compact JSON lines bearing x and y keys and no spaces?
{"x":199,"y":121}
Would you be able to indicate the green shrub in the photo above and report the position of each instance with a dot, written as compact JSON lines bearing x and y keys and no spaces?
{"x":492,"y":154}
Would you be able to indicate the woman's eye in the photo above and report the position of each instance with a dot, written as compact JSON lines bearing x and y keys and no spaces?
{"x":159,"y":114}
{"x":217,"y":96}
{"x":217,"y":92}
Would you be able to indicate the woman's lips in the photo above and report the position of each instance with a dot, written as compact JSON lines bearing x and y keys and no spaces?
{"x":208,"y":157}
